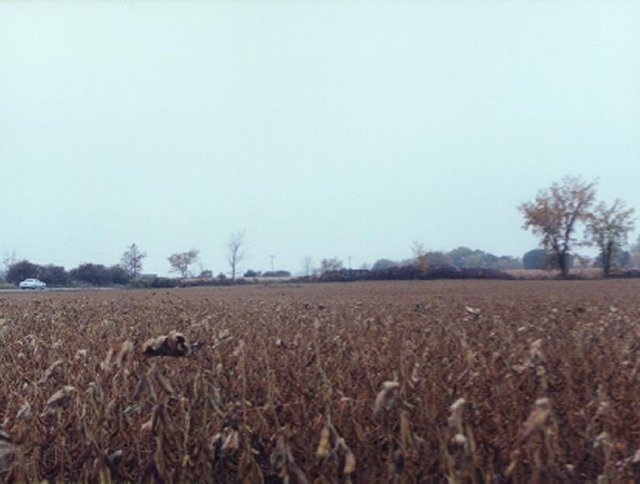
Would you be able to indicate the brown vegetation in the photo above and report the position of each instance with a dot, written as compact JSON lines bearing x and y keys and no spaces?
{"x":547,"y":274}
{"x":474,"y":381}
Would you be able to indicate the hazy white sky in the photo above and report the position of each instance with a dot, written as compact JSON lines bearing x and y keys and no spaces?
{"x":321,"y":128}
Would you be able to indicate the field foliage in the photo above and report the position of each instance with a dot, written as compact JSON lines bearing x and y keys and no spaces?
{"x":471,"y":381}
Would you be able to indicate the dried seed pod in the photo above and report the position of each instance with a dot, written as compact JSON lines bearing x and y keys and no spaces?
{"x":215,"y":446}
{"x":398,"y":461}
{"x":602,"y":439}
{"x":140,"y":387}
{"x":125,"y":352}
{"x":115,"y":457}
{"x":349,"y":462}
{"x":163,"y":381}
{"x":94,"y":391}
{"x":106,"y":364}
{"x":49,"y":371}
{"x":158,"y":416}
{"x":455,"y":418}
{"x":24,"y":412}
{"x":323,"y":445}
{"x":475,"y":313}
{"x":386,"y":397}
{"x":231,"y":440}
{"x":239,"y":349}
{"x":537,"y":418}
{"x":131,"y":409}
{"x":58,"y":399}
{"x":535,"y":351}
{"x":278,"y":458}
{"x":415,"y":373}
{"x":7,"y":451}
{"x":147,"y":427}
{"x":460,"y":439}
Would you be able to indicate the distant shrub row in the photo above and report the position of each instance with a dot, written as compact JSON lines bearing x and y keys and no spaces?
{"x":626,"y":274}
{"x":84,"y":274}
{"x":409,"y":273}
{"x":169,"y":282}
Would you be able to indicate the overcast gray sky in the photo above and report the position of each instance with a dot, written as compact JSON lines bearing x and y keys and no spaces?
{"x":320,"y":128}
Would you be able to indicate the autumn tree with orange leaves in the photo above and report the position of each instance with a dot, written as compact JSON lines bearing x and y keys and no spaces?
{"x":555,"y":214}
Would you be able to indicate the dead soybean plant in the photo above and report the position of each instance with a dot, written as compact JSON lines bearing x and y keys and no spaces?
{"x":304,"y":384}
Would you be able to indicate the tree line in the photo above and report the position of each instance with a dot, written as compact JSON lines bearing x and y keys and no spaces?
{"x":130,"y":267}
{"x":182,"y":262}
{"x":555,"y":215}
{"x":557,"y":212}
{"x":128,"y":272}
{"x":460,"y":257}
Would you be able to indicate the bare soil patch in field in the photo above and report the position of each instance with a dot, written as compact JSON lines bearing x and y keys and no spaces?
{"x":417,"y":381}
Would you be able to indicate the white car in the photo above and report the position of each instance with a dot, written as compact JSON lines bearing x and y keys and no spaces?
{"x":32,"y":284}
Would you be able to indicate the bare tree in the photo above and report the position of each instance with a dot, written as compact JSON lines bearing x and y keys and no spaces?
{"x":330,"y":265}
{"x":307,"y":265}
{"x":8,"y":260}
{"x":608,"y":229}
{"x":420,"y":255}
{"x":235,"y":251}
{"x":635,"y":254}
{"x":132,"y":260}
{"x":554,"y":214}
{"x":180,"y":262}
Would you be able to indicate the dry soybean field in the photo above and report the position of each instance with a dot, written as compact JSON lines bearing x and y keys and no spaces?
{"x":466,"y":381}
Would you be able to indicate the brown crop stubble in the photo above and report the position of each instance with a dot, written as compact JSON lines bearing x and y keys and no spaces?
{"x":462,"y":380}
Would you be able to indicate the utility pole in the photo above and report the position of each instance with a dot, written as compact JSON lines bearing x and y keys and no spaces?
{"x":272,"y":257}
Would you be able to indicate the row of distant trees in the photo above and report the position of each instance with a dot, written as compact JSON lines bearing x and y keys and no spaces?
{"x":558,"y":212}
{"x":182,"y":262}
{"x":91,"y":274}
{"x":467,"y":258}
{"x":461,"y":257}
{"x":129,"y":269}
{"x":545,"y":259}
{"x":555,"y":215}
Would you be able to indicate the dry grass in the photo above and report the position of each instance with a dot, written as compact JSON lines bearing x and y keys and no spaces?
{"x":539,"y":274}
{"x":467,"y":381}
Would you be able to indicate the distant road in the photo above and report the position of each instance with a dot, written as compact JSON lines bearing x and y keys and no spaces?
{"x":54,"y":289}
